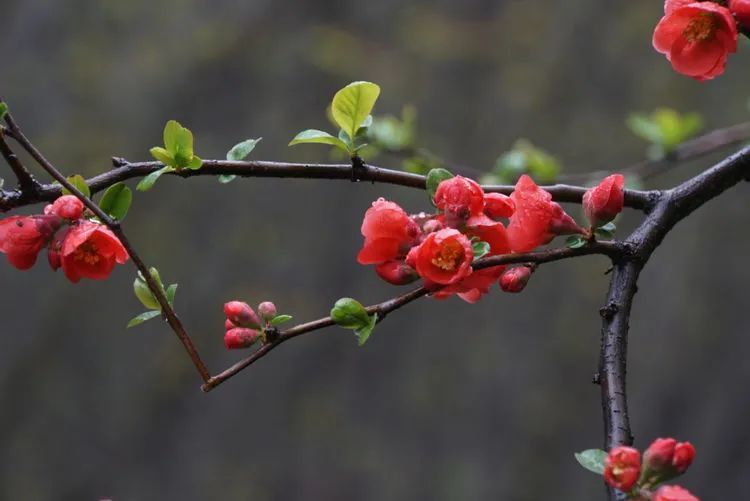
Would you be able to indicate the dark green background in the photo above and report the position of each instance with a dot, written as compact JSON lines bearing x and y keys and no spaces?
{"x":447,"y":401}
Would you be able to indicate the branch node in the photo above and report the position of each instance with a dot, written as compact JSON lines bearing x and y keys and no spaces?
{"x":608,"y":312}
{"x":359,"y":169}
{"x":596,"y":378}
{"x":119,"y":162}
{"x":271,"y":334}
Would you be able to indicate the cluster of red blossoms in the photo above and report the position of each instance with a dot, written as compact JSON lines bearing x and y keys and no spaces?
{"x":697,"y":37}
{"x":243,"y":326}
{"x":664,"y":460}
{"x":81,"y":247}
{"x":440,"y":248}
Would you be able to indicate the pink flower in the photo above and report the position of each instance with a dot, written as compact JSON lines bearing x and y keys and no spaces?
{"x":444,"y":257}
{"x":622,"y":468}
{"x":604,"y":201}
{"x":696,"y":37}
{"x":90,"y":250}
{"x":673,"y":493}
{"x":22,"y":237}
{"x":388,"y":232}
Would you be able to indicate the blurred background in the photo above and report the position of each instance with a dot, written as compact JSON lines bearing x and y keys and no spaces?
{"x":447,"y":401}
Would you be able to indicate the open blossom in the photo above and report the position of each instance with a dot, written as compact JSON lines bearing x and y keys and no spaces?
{"x":22,"y":237}
{"x":604,"y":201}
{"x":459,"y":198}
{"x":537,"y":219}
{"x":90,"y":250}
{"x":622,"y":468}
{"x":444,"y":257}
{"x":696,"y":37}
{"x":673,"y":493}
{"x":389,"y":233}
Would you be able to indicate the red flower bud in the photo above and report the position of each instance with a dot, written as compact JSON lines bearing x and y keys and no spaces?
{"x":240,"y":338}
{"x":604,"y":201}
{"x":665,"y":458}
{"x":515,"y":279}
{"x":444,"y":257}
{"x":67,"y":207}
{"x":659,"y":454}
{"x":497,"y":205}
{"x":459,"y":198}
{"x":684,"y":453}
{"x":241,"y":314}
{"x":229,"y":325}
{"x":741,"y":11}
{"x":622,"y":468}
{"x":267,"y":310}
{"x":673,"y":493}
{"x":396,"y":272}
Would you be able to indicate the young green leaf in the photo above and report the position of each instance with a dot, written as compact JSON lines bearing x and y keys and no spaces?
{"x":195,"y":163}
{"x":349,"y":313}
{"x":80,"y":184}
{"x":320,"y":137}
{"x":148,"y":182}
{"x":363,"y":333}
{"x":575,"y":241}
{"x":607,"y":231}
{"x":480,"y":249}
{"x":352,"y":105}
{"x":116,"y":201}
{"x":3,"y":110}
{"x":434,"y":178}
{"x":171,"y":291}
{"x":241,"y":150}
{"x":178,"y":148}
{"x":143,"y":317}
{"x":592,"y":460}
{"x":144,"y":295}
{"x":280,"y":319}
{"x":162,"y":155}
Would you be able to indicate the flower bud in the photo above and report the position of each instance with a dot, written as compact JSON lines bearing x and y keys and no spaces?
{"x":229,"y":325}
{"x":515,"y":279}
{"x":604,"y":201}
{"x":67,"y":207}
{"x":459,"y":198}
{"x":561,"y":223}
{"x":673,"y":493}
{"x":665,"y":459}
{"x":267,"y":310}
{"x":741,"y":11}
{"x":659,"y":454}
{"x":396,"y":273}
{"x":432,"y":226}
{"x":241,"y":314}
{"x":684,"y":453}
{"x":622,"y":468}
{"x":497,"y":205}
{"x":240,"y":337}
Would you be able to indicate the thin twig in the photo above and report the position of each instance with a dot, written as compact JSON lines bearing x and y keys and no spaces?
{"x":26,"y":182}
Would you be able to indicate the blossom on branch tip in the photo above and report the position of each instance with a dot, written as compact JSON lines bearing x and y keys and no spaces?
{"x":622,"y":467}
{"x":605,"y":201}
{"x":389,"y":233}
{"x":90,"y":250}
{"x":696,"y":37}
{"x":22,"y":237}
{"x":673,"y":493}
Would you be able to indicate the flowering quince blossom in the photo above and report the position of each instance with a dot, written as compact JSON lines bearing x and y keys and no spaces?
{"x":515,"y":279}
{"x":741,"y":11}
{"x":666,"y":458}
{"x":22,"y":237}
{"x":459,"y":198}
{"x":603,"y":202}
{"x":389,"y":233}
{"x":443,"y":258}
{"x":90,"y":250}
{"x":673,"y":493}
{"x":622,"y":468}
{"x":67,"y":207}
{"x":696,"y":37}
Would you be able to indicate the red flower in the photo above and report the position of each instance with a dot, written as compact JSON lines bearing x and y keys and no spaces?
{"x":388,"y":232}
{"x":241,"y":315}
{"x":604,"y":201}
{"x":240,"y":337}
{"x":444,"y":257}
{"x":515,"y":279}
{"x":497,"y":205}
{"x":696,"y":37}
{"x":684,"y":453}
{"x":673,"y":493}
{"x":67,"y":207}
{"x":459,"y":198}
{"x":396,"y":272}
{"x":90,"y":250}
{"x":741,"y":11}
{"x":22,"y":237}
{"x":537,"y":218}
{"x":622,"y":468}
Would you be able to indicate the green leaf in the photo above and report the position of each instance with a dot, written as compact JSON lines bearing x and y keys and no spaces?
{"x":195,"y":163}
{"x":241,"y":150}
{"x":480,"y":249}
{"x":148,"y":182}
{"x":575,"y":241}
{"x":171,"y":291}
{"x":116,"y":201}
{"x":80,"y":183}
{"x":178,"y":140}
{"x":352,"y":104}
{"x":349,"y":313}
{"x":664,"y":128}
{"x":143,"y":317}
{"x":280,"y":319}
{"x":3,"y":110}
{"x":434,"y":178}
{"x":592,"y":460}
{"x":144,"y":295}
{"x":226,"y":178}
{"x":318,"y":136}
{"x":162,"y":155}
{"x":525,"y":158}
{"x":363,"y":333}
{"x":607,"y":231}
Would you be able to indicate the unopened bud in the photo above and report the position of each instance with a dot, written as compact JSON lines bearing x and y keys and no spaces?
{"x":241,"y":314}
{"x":741,"y":11}
{"x":67,"y":207}
{"x":267,"y":310}
{"x":396,"y":272}
{"x":432,"y":226}
{"x":240,"y":337}
{"x":229,"y":325}
{"x":515,"y":279}
{"x":604,"y":201}
{"x":497,"y":205}
{"x":666,"y":458}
